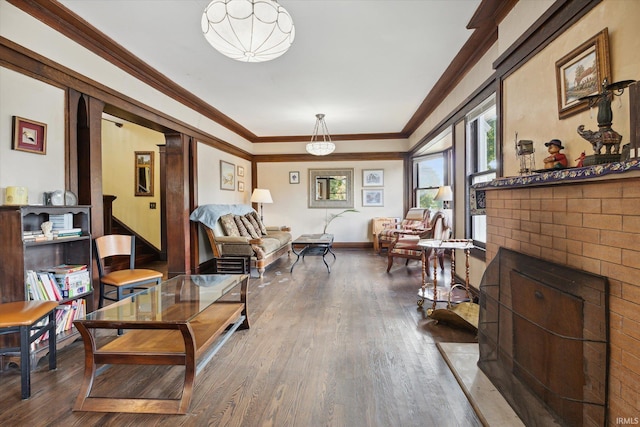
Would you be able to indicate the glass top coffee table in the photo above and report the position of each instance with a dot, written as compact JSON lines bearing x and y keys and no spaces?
{"x":313,"y":244}
{"x":182,"y":321}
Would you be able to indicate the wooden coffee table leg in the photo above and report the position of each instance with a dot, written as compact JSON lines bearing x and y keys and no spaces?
{"x":89,"y":365}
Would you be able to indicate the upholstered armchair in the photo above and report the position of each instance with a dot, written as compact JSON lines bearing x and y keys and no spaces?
{"x":417,"y":219}
{"x":405,"y":243}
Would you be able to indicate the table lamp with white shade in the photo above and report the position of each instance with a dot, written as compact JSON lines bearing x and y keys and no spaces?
{"x":444,"y":195}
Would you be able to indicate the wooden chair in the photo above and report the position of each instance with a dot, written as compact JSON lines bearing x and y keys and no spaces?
{"x":26,"y":318}
{"x":405,"y":244}
{"x":416,"y":219}
{"x":132,"y":280}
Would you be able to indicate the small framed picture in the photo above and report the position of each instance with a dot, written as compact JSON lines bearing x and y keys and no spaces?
{"x":373,"y":197}
{"x":241,"y":186}
{"x":227,"y":176}
{"x":240,"y":171}
{"x":372,"y":177}
{"x":29,"y":135}
{"x":294,"y":177}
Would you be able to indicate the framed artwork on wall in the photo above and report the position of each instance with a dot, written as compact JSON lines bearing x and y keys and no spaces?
{"x":144,"y":173}
{"x":372,"y":177}
{"x":294,"y":177}
{"x":227,"y":176}
{"x":373,"y":197}
{"x":581,"y":72}
{"x":29,"y":135}
{"x":240,"y":186}
{"x":240,"y":171}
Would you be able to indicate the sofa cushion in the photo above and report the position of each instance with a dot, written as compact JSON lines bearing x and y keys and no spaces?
{"x":255,"y":216}
{"x":270,"y":244}
{"x":282,"y":237}
{"x":254,"y":223}
{"x":241,"y":228}
{"x":229,"y":225}
{"x":247,"y":224}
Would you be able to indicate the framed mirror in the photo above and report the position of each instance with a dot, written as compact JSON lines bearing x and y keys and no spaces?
{"x":144,"y":173}
{"x":331,"y":188}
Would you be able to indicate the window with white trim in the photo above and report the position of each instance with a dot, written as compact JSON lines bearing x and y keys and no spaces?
{"x":432,"y":169}
{"x":482,"y":161}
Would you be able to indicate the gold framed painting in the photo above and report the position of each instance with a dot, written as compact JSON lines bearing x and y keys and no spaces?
{"x":581,"y":72}
{"x":144,"y":173}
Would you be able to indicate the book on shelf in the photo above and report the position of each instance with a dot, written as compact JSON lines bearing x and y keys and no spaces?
{"x":66,"y":268}
{"x":37,"y":290}
{"x":68,"y":232}
{"x":74,"y":283}
{"x":50,"y":285}
{"x":61,"y":221}
{"x":33,"y":236}
{"x":66,"y":313}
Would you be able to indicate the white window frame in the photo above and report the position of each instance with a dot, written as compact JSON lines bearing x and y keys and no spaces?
{"x":479,"y":169}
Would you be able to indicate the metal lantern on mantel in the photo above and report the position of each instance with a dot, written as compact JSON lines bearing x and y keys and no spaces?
{"x":605,"y":136}
{"x":524,"y":153}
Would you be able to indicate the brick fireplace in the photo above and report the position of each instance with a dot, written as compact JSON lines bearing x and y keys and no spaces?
{"x":586,"y":223}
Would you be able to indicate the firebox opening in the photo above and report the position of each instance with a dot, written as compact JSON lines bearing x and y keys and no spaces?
{"x":543,"y":339}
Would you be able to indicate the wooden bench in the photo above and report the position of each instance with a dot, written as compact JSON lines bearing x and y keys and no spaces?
{"x":180,"y":338}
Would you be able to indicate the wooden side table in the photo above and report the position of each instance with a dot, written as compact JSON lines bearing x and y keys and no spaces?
{"x":444,"y":294}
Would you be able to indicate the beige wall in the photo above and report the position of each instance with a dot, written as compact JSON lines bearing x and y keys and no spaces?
{"x":118,"y":177}
{"x":291,"y":201}
{"x":209,"y":190}
{"x":31,"y":99}
{"x":530,"y":95}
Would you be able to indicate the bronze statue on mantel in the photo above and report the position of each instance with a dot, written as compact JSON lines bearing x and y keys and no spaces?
{"x":605,"y":136}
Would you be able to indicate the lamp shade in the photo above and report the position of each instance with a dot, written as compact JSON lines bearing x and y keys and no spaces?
{"x":248,"y":30}
{"x":320,"y":144}
{"x":444,"y":194}
{"x":261,"y":195}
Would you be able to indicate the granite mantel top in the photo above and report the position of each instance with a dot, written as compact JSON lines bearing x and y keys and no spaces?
{"x":559,"y":176}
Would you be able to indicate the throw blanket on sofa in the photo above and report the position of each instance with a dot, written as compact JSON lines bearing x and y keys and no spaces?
{"x":209,"y":214}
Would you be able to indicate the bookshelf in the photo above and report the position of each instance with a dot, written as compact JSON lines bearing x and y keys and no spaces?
{"x":20,"y":252}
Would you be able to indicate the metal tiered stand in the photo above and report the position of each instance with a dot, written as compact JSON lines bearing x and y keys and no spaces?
{"x":459,"y":311}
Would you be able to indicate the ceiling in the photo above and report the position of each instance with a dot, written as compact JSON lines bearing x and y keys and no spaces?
{"x":368,"y":65}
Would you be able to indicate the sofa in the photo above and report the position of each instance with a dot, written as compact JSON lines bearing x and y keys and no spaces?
{"x":236,"y":230}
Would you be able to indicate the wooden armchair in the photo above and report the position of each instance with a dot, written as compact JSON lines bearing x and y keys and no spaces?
{"x":416,"y":219}
{"x":405,"y":244}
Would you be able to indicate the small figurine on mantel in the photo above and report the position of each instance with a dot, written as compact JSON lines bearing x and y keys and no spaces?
{"x":555,"y":160}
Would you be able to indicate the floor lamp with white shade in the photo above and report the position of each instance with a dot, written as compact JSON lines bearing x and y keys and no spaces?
{"x":261,"y":195}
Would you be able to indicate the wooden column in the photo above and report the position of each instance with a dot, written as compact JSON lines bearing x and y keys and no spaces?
{"x":177,"y":202}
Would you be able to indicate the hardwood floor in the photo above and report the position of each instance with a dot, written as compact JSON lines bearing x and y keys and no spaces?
{"x":350,"y":348}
